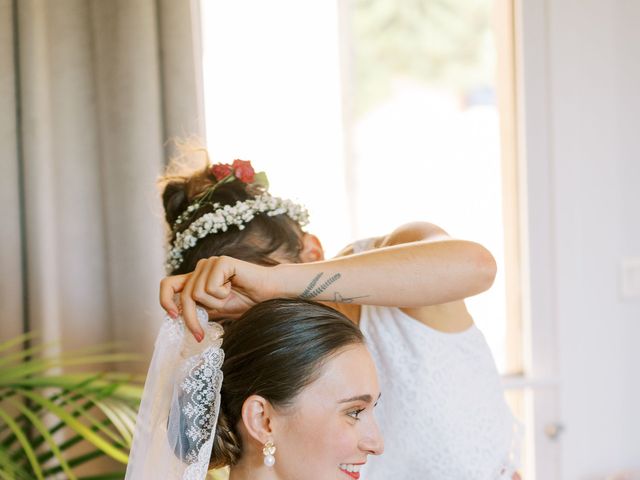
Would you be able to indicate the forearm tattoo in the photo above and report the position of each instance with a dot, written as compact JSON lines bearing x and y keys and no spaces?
{"x":313,"y":289}
{"x":337,"y":298}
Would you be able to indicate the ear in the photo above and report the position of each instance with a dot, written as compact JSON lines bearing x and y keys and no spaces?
{"x":256,"y":417}
{"x":312,"y":250}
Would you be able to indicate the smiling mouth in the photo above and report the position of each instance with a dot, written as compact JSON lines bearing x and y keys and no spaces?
{"x":351,"y":469}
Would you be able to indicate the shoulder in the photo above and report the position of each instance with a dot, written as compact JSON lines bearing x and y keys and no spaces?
{"x":413,"y":232}
{"x":360,"y":246}
{"x":406,"y":233}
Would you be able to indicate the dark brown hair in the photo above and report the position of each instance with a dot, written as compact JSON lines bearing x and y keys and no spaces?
{"x":274,"y":350}
{"x":188,"y":177}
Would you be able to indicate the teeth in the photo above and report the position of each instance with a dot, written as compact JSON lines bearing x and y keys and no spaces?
{"x":349,"y":467}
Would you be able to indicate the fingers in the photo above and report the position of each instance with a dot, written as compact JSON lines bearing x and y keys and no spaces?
{"x":199,"y":293}
{"x":209,"y":286}
{"x":189,"y":305}
{"x":218,"y":284}
{"x":209,"y":290}
{"x":169,"y":286}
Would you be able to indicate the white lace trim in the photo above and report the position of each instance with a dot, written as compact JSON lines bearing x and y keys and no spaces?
{"x":201,"y":387}
{"x":176,"y":423}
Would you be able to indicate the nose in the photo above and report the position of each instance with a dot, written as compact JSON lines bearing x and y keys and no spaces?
{"x":372,"y":442}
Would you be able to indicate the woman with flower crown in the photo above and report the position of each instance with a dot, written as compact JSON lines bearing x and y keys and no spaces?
{"x":444,"y":416}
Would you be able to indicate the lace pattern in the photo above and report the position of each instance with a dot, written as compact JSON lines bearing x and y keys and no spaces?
{"x":443,"y":412}
{"x":179,"y":410}
{"x":200,"y":402}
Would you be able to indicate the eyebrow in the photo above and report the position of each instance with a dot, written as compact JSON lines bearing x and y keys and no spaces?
{"x":364,"y":398}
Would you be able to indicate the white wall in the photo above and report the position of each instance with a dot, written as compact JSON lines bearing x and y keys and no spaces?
{"x":581,"y":71}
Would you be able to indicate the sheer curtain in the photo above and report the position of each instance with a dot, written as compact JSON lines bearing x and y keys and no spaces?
{"x":90,"y":92}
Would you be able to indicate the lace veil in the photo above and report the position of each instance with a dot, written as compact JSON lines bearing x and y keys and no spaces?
{"x":176,"y":422}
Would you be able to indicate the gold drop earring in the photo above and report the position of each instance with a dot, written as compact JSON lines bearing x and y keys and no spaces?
{"x":268,"y":450}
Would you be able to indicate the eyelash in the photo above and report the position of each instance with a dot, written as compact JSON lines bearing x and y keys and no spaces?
{"x":354,"y":413}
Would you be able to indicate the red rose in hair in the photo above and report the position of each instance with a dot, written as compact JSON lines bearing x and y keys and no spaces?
{"x":243,"y":171}
{"x":221,"y":171}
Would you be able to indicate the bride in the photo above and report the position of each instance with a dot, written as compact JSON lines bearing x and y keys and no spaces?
{"x":289,"y":395}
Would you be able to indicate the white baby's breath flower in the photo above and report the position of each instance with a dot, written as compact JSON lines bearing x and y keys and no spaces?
{"x":225,"y":216}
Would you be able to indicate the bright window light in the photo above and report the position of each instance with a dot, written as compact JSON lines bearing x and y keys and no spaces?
{"x":272,"y":95}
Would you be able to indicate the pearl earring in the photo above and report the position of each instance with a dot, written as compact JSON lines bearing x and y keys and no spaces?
{"x":268,"y":451}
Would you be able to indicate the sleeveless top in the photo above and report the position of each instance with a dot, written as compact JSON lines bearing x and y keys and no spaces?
{"x":442,"y":412}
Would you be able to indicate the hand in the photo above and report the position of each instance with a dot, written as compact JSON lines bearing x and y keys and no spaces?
{"x":225,"y":286}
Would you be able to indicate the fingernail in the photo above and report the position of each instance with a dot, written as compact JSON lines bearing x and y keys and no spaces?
{"x":172,"y":314}
{"x":199,"y":336}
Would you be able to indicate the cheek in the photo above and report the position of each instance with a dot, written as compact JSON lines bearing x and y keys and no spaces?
{"x":322,"y":443}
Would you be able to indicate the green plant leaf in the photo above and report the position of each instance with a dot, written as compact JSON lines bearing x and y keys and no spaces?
{"x":96,"y":408}
{"x":21,"y":355}
{"x":125,"y":410}
{"x":78,"y":426}
{"x":260,"y":178}
{"x":106,"y":476}
{"x":67,"y":444}
{"x":85,"y":414}
{"x":62,"y":401}
{"x":129,"y":387}
{"x":24,"y":441}
{"x":76,"y":461}
{"x":40,"y":365}
{"x":11,"y":469}
{"x":114,"y":411}
{"x":19,"y":340}
{"x":37,"y":423}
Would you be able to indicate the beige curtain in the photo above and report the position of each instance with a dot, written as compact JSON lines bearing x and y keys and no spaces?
{"x":91,"y":90}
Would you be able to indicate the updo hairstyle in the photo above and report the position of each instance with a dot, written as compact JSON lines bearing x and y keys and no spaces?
{"x":274,"y":350}
{"x":188,"y":177}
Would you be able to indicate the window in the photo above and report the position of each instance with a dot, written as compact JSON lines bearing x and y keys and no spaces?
{"x":377,"y":112}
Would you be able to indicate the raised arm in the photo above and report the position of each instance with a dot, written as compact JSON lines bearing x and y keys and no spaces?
{"x":416,"y":265}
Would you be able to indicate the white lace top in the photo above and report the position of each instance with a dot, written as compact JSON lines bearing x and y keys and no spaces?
{"x":442,"y":411}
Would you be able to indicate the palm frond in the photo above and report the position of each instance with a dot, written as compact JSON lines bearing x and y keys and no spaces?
{"x":21,"y":436}
{"x":52,"y":423}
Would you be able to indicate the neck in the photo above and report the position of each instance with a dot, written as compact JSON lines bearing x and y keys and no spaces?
{"x":252,"y":470}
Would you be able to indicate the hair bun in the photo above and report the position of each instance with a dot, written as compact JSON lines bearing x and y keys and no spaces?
{"x":227,"y":444}
{"x":175,"y":200}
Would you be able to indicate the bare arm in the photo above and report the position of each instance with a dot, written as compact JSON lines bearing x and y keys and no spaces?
{"x":417,"y":265}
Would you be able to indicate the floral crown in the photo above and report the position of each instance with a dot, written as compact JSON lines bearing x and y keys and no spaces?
{"x":224,"y":216}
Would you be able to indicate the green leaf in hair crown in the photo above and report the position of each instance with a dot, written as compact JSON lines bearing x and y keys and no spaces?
{"x":261,"y":179}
